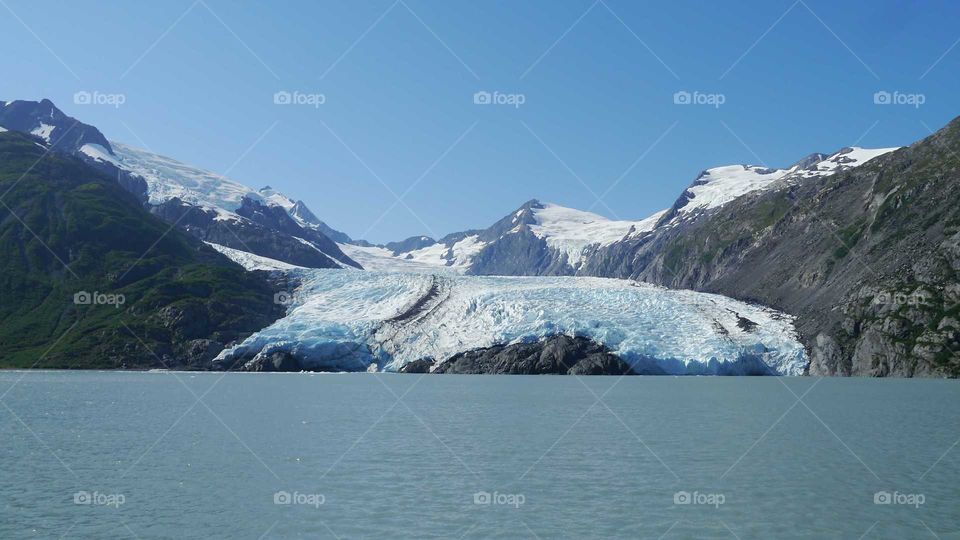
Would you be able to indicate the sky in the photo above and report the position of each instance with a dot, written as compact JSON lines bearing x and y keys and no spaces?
{"x":384,"y":137}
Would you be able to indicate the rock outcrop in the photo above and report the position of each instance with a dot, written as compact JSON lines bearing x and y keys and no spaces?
{"x":555,"y":355}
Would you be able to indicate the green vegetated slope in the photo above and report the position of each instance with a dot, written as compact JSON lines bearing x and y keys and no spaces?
{"x":66,"y":229}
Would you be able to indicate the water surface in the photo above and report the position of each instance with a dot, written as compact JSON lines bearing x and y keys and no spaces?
{"x":210,"y":455}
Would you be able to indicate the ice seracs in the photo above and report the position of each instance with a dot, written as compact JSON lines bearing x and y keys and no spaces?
{"x":354,"y":320}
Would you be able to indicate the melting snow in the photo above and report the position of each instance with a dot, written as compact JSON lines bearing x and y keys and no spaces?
{"x":251,"y":261}
{"x":98,"y":153}
{"x":43,"y":131}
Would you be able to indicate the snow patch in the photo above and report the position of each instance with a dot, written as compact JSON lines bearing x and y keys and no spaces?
{"x":98,"y":153}
{"x":571,"y":231}
{"x":462,"y":252}
{"x":167,"y":178}
{"x":251,"y":261}
{"x":44,"y":131}
{"x":718,"y":186}
{"x":382,"y":259}
{"x":843,"y":160}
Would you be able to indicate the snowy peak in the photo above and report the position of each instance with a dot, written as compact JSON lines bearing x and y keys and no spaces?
{"x":300,"y":212}
{"x":44,"y":120}
{"x":571,"y":231}
{"x":556,"y":238}
{"x":809,"y":162}
{"x":273,"y":197}
{"x":512,"y":222}
{"x":845,"y":159}
{"x":718,"y":186}
{"x":257,"y":213}
{"x":168,"y":179}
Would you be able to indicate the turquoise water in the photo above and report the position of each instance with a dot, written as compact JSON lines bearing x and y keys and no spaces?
{"x":136,"y":455}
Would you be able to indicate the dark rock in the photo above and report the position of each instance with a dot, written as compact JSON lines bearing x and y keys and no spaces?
{"x":410,"y":244}
{"x":846,"y":253}
{"x":246,"y":234}
{"x":200,"y":352}
{"x":555,"y":355}
{"x":67,"y":136}
{"x":422,"y":365}
{"x":274,"y":362}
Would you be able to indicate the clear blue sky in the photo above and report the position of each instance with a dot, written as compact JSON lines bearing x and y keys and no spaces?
{"x":199,"y":84}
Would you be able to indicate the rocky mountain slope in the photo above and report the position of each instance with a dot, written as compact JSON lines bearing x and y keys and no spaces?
{"x":90,"y":279}
{"x":215,"y":203}
{"x":867,"y":258}
{"x":67,"y":135}
{"x":548,"y":239}
{"x":861,"y":245}
{"x":225,"y":212}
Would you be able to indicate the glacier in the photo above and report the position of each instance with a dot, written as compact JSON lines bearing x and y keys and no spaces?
{"x":375,"y":320}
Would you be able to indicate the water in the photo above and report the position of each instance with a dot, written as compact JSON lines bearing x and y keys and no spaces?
{"x":159,"y":464}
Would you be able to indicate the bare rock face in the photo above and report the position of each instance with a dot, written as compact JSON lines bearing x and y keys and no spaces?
{"x":825,"y":357}
{"x":273,"y":362}
{"x":199,"y":353}
{"x":422,"y":365}
{"x":867,"y":259}
{"x":555,"y":355}
{"x":259,"y":236}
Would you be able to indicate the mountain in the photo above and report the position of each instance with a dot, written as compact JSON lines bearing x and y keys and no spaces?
{"x":90,"y":279}
{"x":228,"y":213}
{"x":302,"y":215}
{"x":547,"y":239}
{"x":67,"y":135}
{"x":256,"y":229}
{"x":861,"y":246}
{"x":867,"y":257}
{"x":44,"y":120}
{"x":172,"y":188}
